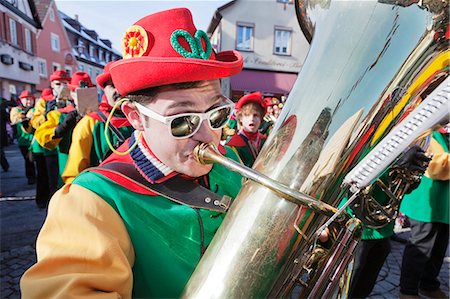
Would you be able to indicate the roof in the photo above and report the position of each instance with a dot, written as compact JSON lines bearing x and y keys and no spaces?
{"x":42,"y":7}
{"x":34,"y":21}
{"x":77,"y":28}
{"x":217,"y":17}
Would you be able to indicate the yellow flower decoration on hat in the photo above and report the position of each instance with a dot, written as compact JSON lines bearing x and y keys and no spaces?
{"x":134,"y":42}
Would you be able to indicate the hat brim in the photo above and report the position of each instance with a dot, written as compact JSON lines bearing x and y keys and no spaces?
{"x":135,"y":74}
{"x":102,"y":79}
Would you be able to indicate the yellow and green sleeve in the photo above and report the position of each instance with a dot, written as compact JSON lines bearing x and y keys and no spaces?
{"x":80,"y":149}
{"x":66,"y":267}
{"x":45,"y":132}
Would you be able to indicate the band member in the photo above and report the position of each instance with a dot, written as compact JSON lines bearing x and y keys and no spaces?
{"x":89,"y":145}
{"x":20,"y":117}
{"x":56,"y":131}
{"x":248,"y":140}
{"x":58,"y":94}
{"x":39,"y":153}
{"x":427,"y":208}
{"x":121,"y":230}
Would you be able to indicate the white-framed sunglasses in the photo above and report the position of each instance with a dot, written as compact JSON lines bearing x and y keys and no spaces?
{"x":185,"y":125}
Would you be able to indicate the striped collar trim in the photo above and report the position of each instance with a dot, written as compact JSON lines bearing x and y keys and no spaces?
{"x":145,"y":161}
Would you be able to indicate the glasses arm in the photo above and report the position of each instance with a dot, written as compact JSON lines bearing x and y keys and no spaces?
{"x":152,"y":114}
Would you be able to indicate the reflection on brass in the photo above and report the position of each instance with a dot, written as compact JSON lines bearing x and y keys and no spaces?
{"x":207,"y":154}
{"x":370,"y":64}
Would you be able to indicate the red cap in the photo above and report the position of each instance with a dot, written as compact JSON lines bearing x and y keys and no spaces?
{"x":80,"y":79}
{"x":255,"y":97}
{"x":47,"y":94}
{"x":157,"y":51}
{"x":26,"y":94}
{"x":105,"y":77}
{"x":59,"y":75}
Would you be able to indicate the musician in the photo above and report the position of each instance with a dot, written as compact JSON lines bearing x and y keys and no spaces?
{"x":427,"y":208}
{"x":374,"y":247}
{"x":61,"y":118}
{"x":109,"y":233}
{"x":20,"y":117}
{"x":247,"y":142}
{"x":89,"y":146}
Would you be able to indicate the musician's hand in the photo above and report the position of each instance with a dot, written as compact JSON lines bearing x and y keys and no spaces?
{"x":414,"y":159}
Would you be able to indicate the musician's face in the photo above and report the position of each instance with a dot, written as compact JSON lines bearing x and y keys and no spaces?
{"x":177,"y":153}
{"x":250,"y":120}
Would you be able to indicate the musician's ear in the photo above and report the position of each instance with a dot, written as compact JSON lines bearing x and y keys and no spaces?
{"x":133,"y":115}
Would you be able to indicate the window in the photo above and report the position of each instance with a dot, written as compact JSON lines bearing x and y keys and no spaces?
{"x":55,"y":41}
{"x":244,"y":41}
{"x":80,"y":45}
{"x":91,"y":51}
{"x":42,"y":68}
{"x":100,"y":54}
{"x":69,"y":71}
{"x":52,"y":15}
{"x":81,"y":68}
{"x":90,"y":71}
{"x":56,"y":66}
{"x":13,"y":32}
{"x":282,"y":43}
{"x":28,"y":43}
{"x":107,"y":57}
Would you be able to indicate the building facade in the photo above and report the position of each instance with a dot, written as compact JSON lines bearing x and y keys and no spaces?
{"x":267,"y":34}
{"x":53,"y":46}
{"x":19,"y":23}
{"x":90,"y":52}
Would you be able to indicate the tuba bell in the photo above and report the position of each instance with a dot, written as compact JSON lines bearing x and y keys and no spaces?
{"x":374,"y":82}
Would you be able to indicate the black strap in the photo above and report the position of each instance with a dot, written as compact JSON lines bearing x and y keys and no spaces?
{"x":175,"y":189}
{"x":116,"y":131}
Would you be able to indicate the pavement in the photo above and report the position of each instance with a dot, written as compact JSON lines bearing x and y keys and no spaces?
{"x":21,"y":220}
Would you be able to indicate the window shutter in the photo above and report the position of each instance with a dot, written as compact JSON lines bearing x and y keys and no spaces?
{"x":2,"y":26}
{"x":33,"y":43}
{"x":8,"y":34}
{"x":20,"y":35}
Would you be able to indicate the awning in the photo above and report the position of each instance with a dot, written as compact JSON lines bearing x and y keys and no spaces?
{"x":266,"y":82}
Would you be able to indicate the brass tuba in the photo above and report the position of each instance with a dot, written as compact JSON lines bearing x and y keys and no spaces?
{"x":374,"y":81}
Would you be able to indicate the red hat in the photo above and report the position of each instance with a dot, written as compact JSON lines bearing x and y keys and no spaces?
{"x":80,"y":79}
{"x":105,"y":77}
{"x":26,"y":94}
{"x":59,"y":75}
{"x":47,"y":94}
{"x":166,"y":48}
{"x":271,"y":101}
{"x":255,"y":97}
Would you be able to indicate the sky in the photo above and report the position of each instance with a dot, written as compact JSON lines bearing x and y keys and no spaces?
{"x":111,"y":18}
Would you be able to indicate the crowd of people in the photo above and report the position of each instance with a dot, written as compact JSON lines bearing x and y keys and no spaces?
{"x":129,"y":214}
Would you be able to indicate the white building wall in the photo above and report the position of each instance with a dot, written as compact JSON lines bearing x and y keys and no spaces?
{"x":265,"y":15}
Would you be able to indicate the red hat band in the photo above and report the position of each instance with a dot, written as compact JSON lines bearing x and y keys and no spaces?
{"x":166,"y":48}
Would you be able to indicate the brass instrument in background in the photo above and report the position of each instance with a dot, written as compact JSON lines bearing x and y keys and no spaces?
{"x":375,"y":80}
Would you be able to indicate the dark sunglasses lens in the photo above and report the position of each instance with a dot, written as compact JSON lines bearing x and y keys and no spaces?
{"x":184,"y":125}
{"x":220,"y":117}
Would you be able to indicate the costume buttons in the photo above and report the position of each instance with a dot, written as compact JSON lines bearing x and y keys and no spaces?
{"x":208,"y":200}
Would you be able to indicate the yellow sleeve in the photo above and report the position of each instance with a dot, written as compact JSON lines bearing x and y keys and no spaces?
{"x":80,"y":149}
{"x":38,"y":115}
{"x":83,"y":250}
{"x":16,"y":115}
{"x":439,"y":167}
{"x":44,"y":134}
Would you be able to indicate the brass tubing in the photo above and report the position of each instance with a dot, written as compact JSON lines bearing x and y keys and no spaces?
{"x":206,"y":153}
